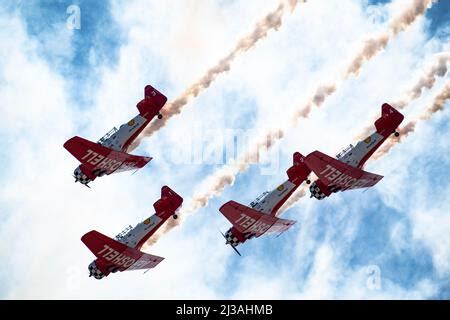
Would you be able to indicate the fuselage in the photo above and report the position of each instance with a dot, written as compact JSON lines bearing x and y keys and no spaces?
{"x":137,"y":236}
{"x":267,"y":203}
{"x":133,"y":238}
{"x":356,"y":156}
{"x":120,"y":139}
{"x":116,"y":139}
{"x":270,"y":202}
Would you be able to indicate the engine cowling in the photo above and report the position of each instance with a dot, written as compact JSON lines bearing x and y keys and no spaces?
{"x":231,"y":238}
{"x":80,"y":176}
{"x":316,"y":192}
{"x":95,"y":271}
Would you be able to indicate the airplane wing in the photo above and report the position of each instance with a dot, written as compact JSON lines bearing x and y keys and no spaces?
{"x":247,"y":220}
{"x":97,"y":158}
{"x":115,"y":255}
{"x":334,"y":173}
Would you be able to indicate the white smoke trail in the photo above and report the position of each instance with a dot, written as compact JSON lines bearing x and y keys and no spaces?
{"x":296,"y":196}
{"x":426,"y":81}
{"x":271,"y":21}
{"x":439,"y":68}
{"x":374,"y":45}
{"x":226,"y":175}
{"x":437,"y":105}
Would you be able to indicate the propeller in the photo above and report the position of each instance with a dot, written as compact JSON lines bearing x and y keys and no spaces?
{"x":76,"y":180}
{"x":234,"y":248}
{"x":146,"y":271}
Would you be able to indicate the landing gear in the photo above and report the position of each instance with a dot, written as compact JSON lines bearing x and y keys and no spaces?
{"x":396,"y":133}
{"x":160,"y":116}
{"x":99,"y":173}
{"x":308,"y":181}
{"x":175,"y":216}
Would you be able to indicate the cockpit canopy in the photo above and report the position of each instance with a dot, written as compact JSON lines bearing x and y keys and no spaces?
{"x":259,"y":199}
{"x":344,"y":152}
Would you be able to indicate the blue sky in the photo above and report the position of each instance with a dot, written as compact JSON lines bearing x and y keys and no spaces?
{"x":84,"y":82}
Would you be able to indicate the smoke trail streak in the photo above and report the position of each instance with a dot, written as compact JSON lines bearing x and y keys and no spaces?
{"x":226,"y":175}
{"x":437,"y":105}
{"x":374,"y":45}
{"x":271,"y":21}
{"x":296,"y":196}
{"x":426,"y":81}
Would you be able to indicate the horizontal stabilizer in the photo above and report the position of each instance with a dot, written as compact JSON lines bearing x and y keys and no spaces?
{"x":152,"y":103}
{"x":169,"y":202}
{"x":389,"y":121}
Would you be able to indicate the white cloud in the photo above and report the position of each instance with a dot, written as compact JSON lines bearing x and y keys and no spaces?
{"x":47,"y":213}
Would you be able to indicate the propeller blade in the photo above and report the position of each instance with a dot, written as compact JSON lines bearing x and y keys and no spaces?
{"x":76,"y":180}
{"x":234,"y":248}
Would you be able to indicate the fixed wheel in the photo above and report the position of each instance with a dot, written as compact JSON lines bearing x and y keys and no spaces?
{"x":396,"y":134}
{"x":308,"y":181}
{"x":175,"y":216}
{"x":160,"y":116}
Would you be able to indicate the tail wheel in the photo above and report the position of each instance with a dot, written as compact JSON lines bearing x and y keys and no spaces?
{"x":308,"y":181}
{"x":175,"y":216}
{"x":396,"y":133}
{"x":160,"y":116}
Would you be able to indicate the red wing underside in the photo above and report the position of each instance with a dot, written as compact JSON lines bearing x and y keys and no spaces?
{"x":334,"y":173}
{"x":95,"y":156}
{"x":247,"y":220}
{"x":115,"y":254}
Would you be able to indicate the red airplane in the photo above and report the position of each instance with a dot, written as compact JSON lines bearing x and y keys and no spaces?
{"x":109,"y":154}
{"x":260,"y":218}
{"x":124,"y":253}
{"x":345,"y":172}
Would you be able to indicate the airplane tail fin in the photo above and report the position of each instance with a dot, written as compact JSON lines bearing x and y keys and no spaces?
{"x":389,"y":121}
{"x":169,"y":202}
{"x":153,"y":99}
{"x":299,"y":171}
